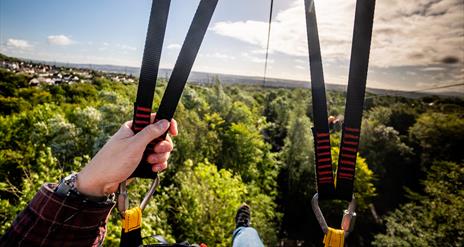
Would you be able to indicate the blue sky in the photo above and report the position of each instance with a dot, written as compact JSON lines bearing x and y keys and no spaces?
{"x":417,"y":44}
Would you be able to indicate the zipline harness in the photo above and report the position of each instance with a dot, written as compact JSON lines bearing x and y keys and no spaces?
{"x":132,"y":218}
{"x":328,"y":188}
{"x":341,"y":187}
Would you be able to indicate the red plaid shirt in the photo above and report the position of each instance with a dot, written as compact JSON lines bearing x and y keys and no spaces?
{"x":51,"y":220}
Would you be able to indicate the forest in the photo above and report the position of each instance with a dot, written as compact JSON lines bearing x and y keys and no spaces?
{"x":246,"y":144}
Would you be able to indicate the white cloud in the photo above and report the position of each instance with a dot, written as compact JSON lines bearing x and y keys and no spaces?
{"x":220,"y":56}
{"x":288,"y":35}
{"x":18,"y":44}
{"x":254,"y":59}
{"x":174,"y":46}
{"x":125,"y":47}
{"x":414,"y":33}
{"x":59,"y":40}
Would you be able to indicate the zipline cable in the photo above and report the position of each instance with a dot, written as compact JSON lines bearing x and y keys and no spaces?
{"x":268,"y":40}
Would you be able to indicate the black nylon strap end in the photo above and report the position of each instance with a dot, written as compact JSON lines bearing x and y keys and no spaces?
{"x":132,"y":238}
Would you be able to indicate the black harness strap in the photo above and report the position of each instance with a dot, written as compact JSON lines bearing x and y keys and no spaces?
{"x":145,"y":93}
{"x":148,"y":75}
{"x":186,"y":58}
{"x":362,"y":35}
{"x":179,"y":76}
{"x":132,"y":238}
{"x":176,"y":82}
{"x":324,"y":172}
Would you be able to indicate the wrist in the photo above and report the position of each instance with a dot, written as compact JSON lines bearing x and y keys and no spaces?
{"x":68,"y":187}
{"x":92,"y":187}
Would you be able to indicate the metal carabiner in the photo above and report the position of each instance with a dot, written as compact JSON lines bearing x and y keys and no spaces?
{"x":150,"y":192}
{"x":123,"y":198}
{"x":348,"y":220}
{"x":349,"y":217}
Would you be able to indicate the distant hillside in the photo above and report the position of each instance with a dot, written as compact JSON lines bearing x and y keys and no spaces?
{"x":207,"y":78}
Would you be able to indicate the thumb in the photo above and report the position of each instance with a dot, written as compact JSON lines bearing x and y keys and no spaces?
{"x":151,"y":132}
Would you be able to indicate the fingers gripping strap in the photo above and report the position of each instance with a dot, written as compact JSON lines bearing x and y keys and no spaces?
{"x":324,"y":172}
{"x":132,"y":219}
{"x":334,"y":238}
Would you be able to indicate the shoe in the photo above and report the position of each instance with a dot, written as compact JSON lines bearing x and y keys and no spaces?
{"x":242,"y":219}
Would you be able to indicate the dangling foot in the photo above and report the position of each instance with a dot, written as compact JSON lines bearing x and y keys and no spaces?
{"x":243,"y":216}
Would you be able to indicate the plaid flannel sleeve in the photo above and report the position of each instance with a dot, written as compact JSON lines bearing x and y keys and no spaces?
{"x":51,"y":220}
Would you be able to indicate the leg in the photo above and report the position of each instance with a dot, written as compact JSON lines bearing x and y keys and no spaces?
{"x":246,"y":237}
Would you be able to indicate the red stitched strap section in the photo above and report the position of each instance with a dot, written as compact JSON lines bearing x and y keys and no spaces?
{"x":322,"y":135}
{"x":354,"y":130}
{"x":350,"y":156}
{"x":324,"y":160}
{"x":141,"y":118}
{"x":323,"y":141}
{"x":347,"y":162}
{"x":351,"y":136}
{"x":141,"y":122}
{"x":143,"y":109}
{"x":325,"y":166}
{"x":350,"y":143}
{"x":347,"y":169}
{"x":348,"y":149}
{"x":348,"y":153}
{"x":324,"y":170}
{"x":345,"y":175}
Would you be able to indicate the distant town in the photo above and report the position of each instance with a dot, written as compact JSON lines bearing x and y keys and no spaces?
{"x":45,"y":74}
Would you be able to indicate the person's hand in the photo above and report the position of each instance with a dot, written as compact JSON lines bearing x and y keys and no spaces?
{"x":119,"y":157}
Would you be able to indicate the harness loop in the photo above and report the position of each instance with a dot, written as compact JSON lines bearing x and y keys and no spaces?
{"x":348,"y":220}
